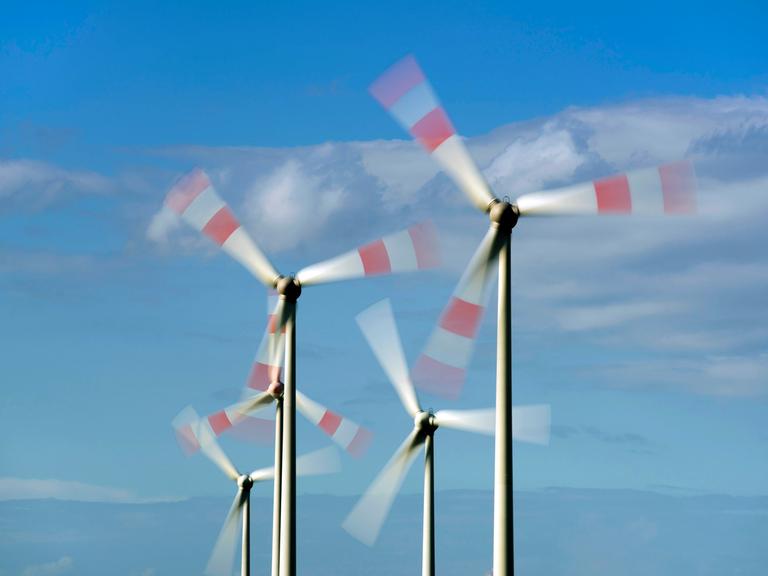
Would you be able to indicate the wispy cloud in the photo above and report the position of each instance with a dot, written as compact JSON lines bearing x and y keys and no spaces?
{"x":63,"y":565}
{"x":36,"y":489}
{"x":36,"y":184}
{"x":611,"y":315}
{"x":737,"y":376}
{"x":629,"y":439}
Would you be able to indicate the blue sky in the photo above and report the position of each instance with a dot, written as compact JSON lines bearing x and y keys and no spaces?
{"x":646,"y":336}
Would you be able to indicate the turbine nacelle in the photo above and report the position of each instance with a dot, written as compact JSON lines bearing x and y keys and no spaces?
{"x":275,"y":389}
{"x":503,"y":215}
{"x":244,"y":482}
{"x":425,"y":422}
{"x":288,"y":287}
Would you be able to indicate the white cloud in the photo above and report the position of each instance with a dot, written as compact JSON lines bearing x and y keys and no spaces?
{"x":38,"y":183}
{"x":527,"y":163}
{"x":292,"y":196}
{"x":43,"y":263}
{"x":291,"y":205}
{"x":61,"y":566}
{"x":163,"y":224}
{"x":680,"y":285}
{"x":611,"y":315}
{"x":36,"y":489}
{"x":736,"y":376}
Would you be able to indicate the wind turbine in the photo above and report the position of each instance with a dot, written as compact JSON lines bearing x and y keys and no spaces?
{"x":366,"y":518}
{"x":405,"y":93}
{"x":265,"y":379}
{"x":264,"y":386}
{"x":323,"y":461}
{"x":196,"y":201}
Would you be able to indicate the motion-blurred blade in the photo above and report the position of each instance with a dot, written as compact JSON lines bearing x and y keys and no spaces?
{"x":185,"y":426}
{"x":349,"y":435}
{"x":195,"y":200}
{"x":213,"y":451}
{"x":378,"y":326}
{"x":270,"y":357}
{"x":253,"y":430}
{"x":482,"y":421}
{"x":531,"y":423}
{"x":365,"y":520}
{"x":231,"y":419}
{"x":405,"y":93}
{"x":441,"y":368}
{"x":405,"y":251}
{"x":262,"y":474}
{"x":667,"y":189}
{"x":252,"y":404}
{"x":223,"y":555}
{"x":323,"y":461}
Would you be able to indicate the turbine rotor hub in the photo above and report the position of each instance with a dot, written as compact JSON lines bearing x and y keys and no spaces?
{"x":275,"y":389}
{"x":288,"y":287}
{"x":504,"y":215}
{"x":244,"y":481}
{"x":425,"y":422}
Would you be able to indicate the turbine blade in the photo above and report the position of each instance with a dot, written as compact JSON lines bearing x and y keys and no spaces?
{"x":253,"y":430}
{"x":185,"y":426}
{"x":378,"y":326}
{"x":270,"y":357}
{"x":233,"y":418}
{"x":223,"y":555}
{"x":667,"y":189}
{"x":252,"y":404}
{"x":482,"y":421}
{"x":261,"y":474}
{"x":531,"y":423}
{"x":405,"y":93}
{"x":349,"y":435}
{"x":213,"y":451}
{"x":195,"y":200}
{"x":365,"y":520}
{"x":441,"y":368}
{"x":405,"y":251}
{"x":323,"y":461}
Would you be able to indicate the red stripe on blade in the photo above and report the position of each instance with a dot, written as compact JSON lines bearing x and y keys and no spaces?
{"x":186,"y":439}
{"x":678,"y":185}
{"x":432,"y":130}
{"x":219,"y":422}
{"x":221,"y":226}
{"x":186,"y":190}
{"x":613,"y":194}
{"x":375,"y":258}
{"x":438,"y":378}
{"x":258,"y":379}
{"x":262,"y":375}
{"x":329,"y":422}
{"x":272,"y":324}
{"x":396,"y":81}
{"x":424,"y":238}
{"x":360,"y":443}
{"x":462,"y":317}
